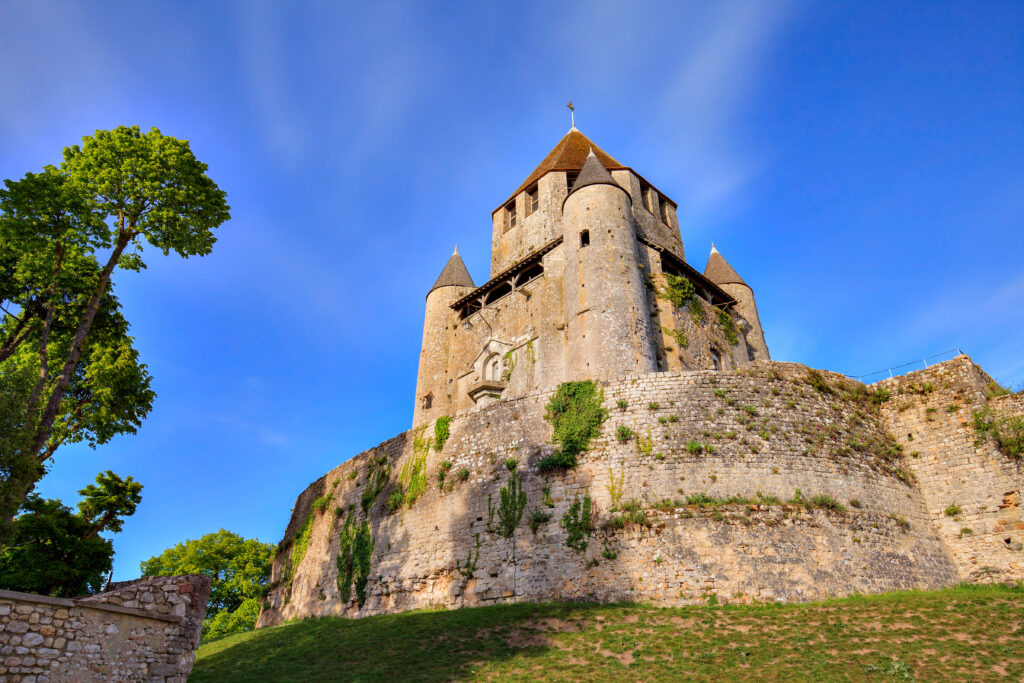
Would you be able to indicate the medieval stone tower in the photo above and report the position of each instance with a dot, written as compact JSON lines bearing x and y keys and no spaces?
{"x":748,"y":479}
{"x":588,"y":281}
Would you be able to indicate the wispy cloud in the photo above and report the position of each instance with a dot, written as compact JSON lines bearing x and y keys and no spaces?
{"x":707,"y":94}
{"x":265,"y":67}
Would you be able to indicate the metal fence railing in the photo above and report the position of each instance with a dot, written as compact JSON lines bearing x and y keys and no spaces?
{"x":909,"y":367}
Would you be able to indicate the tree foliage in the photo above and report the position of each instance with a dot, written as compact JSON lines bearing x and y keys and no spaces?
{"x":239,"y":568}
{"x":62,"y":234}
{"x":59,"y":552}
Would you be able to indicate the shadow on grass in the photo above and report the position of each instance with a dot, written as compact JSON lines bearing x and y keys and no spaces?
{"x":414,"y":646}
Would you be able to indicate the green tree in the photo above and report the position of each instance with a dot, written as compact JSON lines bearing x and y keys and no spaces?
{"x":59,"y":552}
{"x":239,"y":568}
{"x":62,"y":234}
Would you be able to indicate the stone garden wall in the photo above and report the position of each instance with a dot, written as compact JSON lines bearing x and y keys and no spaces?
{"x":759,"y":443}
{"x":144,"y":630}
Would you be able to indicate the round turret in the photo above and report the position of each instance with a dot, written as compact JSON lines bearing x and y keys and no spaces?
{"x":432,"y":392}
{"x":604,"y":298}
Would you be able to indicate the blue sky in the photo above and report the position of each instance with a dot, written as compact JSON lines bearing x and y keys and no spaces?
{"x":860,"y":164}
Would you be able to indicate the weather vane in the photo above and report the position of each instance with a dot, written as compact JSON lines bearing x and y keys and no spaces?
{"x":572,"y":113}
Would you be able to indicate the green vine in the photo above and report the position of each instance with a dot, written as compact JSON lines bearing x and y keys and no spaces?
{"x":728,"y":327}
{"x":355,"y":548}
{"x":510,"y":509}
{"x":696,"y":311}
{"x":378,"y":470}
{"x":577,"y":524}
{"x":575,"y":412}
{"x":412,"y":480}
{"x":441,"y":431}
{"x":510,"y":365}
{"x":531,"y":353}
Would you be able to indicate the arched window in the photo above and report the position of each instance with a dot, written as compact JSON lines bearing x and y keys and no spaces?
{"x":716,"y":359}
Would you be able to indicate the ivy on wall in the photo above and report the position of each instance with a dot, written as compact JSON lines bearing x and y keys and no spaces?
{"x":576,"y":412}
{"x":355,"y":548}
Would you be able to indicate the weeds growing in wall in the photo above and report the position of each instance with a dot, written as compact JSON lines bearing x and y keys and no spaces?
{"x":355,"y":548}
{"x":678,"y":335}
{"x":1007,"y":432}
{"x":469,"y":568}
{"x":576,"y":412}
{"x":615,"y":487}
{"x":678,"y":290}
{"x":577,"y":523}
{"x":441,"y":431}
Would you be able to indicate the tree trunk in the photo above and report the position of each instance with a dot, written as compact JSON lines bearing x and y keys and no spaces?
{"x":9,"y":504}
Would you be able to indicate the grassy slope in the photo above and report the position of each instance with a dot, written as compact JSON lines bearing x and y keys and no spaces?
{"x":971,"y":632}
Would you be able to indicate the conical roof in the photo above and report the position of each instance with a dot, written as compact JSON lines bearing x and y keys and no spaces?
{"x":720,"y":272}
{"x":569,"y":155}
{"x":592,"y":173}
{"x":454,"y":273}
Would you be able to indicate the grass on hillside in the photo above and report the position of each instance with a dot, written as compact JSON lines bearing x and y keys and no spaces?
{"x":964,"y":633}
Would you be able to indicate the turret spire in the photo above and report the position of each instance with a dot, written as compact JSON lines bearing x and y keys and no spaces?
{"x":720,"y":272}
{"x":592,"y":173}
{"x":454,"y":273}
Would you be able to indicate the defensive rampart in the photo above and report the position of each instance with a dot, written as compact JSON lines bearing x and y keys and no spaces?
{"x":138,"y":630}
{"x":773,"y":482}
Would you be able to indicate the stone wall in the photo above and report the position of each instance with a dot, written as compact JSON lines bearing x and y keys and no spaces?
{"x":138,"y":630}
{"x":770,"y":436}
{"x":971,"y":490}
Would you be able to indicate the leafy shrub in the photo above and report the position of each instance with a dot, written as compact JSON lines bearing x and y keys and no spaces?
{"x":511,"y":464}
{"x":818,"y":382}
{"x":1007,"y":432}
{"x":700,"y":499}
{"x":538,"y":517}
{"x":952,"y":510}
{"x":653,"y":405}
{"x":694,"y":447}
{"x":462,"y":474}
{"x":622,"y":403}
{"x":557,"y":460}
{"x":623,"y":433}
{"x":321,"y":503}
{"x":395,"y":500}
{"x":576,"y":414}
{"x":677,"y":290}
{"x":826,"y":502}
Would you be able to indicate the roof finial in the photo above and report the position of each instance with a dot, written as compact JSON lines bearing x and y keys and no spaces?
{"x":572,"y":115}
{"x":456,"y":252}
{"x":713,"y":250}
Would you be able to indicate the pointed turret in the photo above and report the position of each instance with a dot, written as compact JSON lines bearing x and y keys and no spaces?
{"x":720,"y":272}
{"x":725,"y":276}
{"x":454,"y":273}
{"x":592,"y":173}
{"x":433,"y":395}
